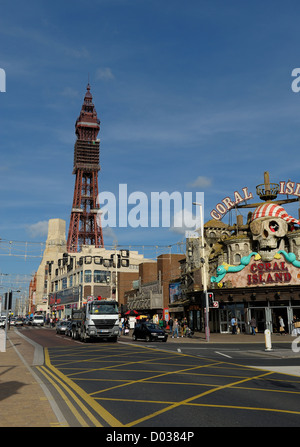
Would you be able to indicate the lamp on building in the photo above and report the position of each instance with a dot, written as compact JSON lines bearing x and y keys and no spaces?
{"x":203,"y":269}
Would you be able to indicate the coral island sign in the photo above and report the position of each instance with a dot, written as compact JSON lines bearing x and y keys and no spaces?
{"x":268,"y":273}
{"x":284,"y":269}
{"x":226,"y":204}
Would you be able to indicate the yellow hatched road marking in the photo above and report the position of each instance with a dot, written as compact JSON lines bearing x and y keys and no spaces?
{"x":187,"y":401}
{"x":274,"y":410}
{"x":104,"y":414}
{"x":173,"y":405}
{"x":80,"y":419}
{"x":145,"y":379}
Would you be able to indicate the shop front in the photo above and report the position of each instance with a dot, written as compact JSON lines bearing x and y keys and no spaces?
{"x":266,"y":314}
{"x":266,"y":291}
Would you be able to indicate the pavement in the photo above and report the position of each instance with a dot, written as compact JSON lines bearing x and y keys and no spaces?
{"x":26,"y":401}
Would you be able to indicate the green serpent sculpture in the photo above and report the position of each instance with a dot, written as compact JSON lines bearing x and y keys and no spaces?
{"x":225,"y":268}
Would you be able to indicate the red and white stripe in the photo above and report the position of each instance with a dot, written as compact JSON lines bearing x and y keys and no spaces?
{"x":273,"y":210}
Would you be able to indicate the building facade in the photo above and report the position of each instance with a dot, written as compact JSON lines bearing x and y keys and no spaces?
{"x":252,"y":267}
{"x":151,"y":295}
{"x":66,"y":280}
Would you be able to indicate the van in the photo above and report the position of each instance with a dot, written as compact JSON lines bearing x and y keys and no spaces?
{"x":38,"y":320}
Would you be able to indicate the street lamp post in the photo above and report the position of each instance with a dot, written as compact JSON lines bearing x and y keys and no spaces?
{"x":116,"y":272}
{"x":204,"y":278}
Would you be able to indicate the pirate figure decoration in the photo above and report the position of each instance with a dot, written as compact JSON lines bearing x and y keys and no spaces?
{"x":269,"y":225}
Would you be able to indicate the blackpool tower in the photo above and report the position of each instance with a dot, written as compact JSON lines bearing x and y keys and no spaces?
{"x":85,"y":227}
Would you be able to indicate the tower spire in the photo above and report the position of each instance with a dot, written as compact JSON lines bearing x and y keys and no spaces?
{"x":84,"y":228}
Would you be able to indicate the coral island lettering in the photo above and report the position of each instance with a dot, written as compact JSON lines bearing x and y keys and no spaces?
{"x":287,"y":188}
{"x":266,"y":273}
{"x":227,"y":204}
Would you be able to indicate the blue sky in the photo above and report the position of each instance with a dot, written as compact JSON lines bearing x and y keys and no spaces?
{"x":192,"y":96}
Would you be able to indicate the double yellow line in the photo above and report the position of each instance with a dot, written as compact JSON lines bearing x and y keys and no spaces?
{"x":66,"y":387}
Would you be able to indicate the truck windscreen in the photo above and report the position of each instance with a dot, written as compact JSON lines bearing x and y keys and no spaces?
{"x":105,"y":308}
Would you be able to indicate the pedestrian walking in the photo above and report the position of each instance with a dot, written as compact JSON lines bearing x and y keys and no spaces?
{"x":281,"y":326}
{"x":253,"y":326}
{"x":120,"y":326}
{"x":183,"y":325}
{"x":175,"y":328}
{"x":126,"y":326}
{"x":233,"y":325}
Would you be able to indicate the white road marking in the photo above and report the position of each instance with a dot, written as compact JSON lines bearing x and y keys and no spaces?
{"x":225,"y":355}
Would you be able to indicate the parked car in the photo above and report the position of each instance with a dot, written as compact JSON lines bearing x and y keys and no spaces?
{"x":149,"y":332}
{"x":38,"y":320}
{"x":19,"y":322}
{"x":61,"y":327}
{"x":2,"y":322}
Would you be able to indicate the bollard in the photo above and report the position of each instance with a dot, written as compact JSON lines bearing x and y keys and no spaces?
{"x":268,"y":341}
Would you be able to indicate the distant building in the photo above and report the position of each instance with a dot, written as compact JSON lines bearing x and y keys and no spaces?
{"x":66,"y":280}
{"x":151,"y":293}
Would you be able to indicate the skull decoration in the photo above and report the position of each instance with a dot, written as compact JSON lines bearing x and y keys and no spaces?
{"x":269,"y":226}
{"x":269,"y":232}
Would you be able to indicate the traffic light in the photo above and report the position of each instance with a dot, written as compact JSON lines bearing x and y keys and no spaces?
{"x":8,"y":301}
{"x":210,"y":299}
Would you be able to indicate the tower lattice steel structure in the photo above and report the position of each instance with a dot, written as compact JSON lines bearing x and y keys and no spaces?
{"x":85,"y":224}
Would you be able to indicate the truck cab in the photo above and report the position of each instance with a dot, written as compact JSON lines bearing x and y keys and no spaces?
{"x":97,"y":319}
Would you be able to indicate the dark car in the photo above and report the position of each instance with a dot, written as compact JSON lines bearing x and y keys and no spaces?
{"x":149,"y":332}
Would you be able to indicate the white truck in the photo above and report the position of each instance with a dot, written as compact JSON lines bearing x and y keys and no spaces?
{"x":97,"y":319}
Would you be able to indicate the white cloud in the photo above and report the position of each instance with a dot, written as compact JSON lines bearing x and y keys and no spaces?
{"x":104,"y":73}
{"x":201,"y":182}
{"x":184,"y":221}
{"x":38,"y":229}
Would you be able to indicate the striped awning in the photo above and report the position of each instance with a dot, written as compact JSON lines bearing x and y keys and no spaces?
{"x":273,"y":210}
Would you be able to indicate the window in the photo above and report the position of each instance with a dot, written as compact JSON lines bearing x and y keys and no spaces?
{"x":88,"y":276}
{"x":237,"y":258}
{"x":101,"y":277}
{"x":103,"y":308}
{"x":64,"y":283}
